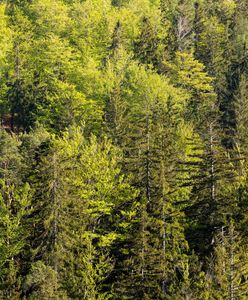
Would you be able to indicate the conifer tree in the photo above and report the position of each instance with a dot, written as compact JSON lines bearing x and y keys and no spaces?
{"x":41,"y":282}
{"x":146,"y":152}
{"x":18,"y":75}
{"x":15,"y":207}
{"x":6,"y":45}
{"x":116,"y":67}
{"x":78,"y":187}
{"x":158,"y":209}
{"x":229,"y":273}
{"x":146,"y":48}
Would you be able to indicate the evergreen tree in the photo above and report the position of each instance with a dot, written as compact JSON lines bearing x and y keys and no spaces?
{"x":229,"y":273}
{"x":116,"y":68}
{"x":158,"y":208}
{"x":151,"y":273}
{"x":146,"y":47}
{"x":15,"y":208}
{"x":75,"y":211}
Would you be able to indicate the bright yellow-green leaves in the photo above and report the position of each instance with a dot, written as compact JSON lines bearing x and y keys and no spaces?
{"x":83,"y":189}
{"x":95,"y":173}
{"x":120,"y":171}
{"x":190,"y":73}
{"x":228,"y":6}
{"x":5,"y":37}
{"x":145,"y":87}
{"x":91,"y":28}
{"x":50,"y":16}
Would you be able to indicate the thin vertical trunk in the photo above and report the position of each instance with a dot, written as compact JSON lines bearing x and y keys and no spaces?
{"x":55,"y":206}
{"x":196,"y":27}
{"x":231,"y":288}
{"x":148,"y":162}
{"x":212,"y":161}
{"x":143,"y":252}
{"x":16,"y":87}
{"x":55,"y":216}
{"x":164,"y":251}
{"x":163,"y":212}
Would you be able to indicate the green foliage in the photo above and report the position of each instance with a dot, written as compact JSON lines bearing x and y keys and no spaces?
{"x":15,"y":207}
{"x":6,"y":36}
{"x":123,"y":149}
{"x":79,"y":178}
{"x":230,"y":265}
{"x":41,"y":282}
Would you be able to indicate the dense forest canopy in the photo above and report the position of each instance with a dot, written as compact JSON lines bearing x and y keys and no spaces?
{"x":123,"y":149}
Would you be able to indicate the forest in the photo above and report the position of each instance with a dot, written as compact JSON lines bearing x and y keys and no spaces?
{"x":124,"y":149}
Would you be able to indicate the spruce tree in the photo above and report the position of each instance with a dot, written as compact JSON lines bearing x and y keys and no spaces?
{"x":15,"y":202}
{"x":77,"y":188}
{"x":229,"y":270}
{"x":149,"y":270}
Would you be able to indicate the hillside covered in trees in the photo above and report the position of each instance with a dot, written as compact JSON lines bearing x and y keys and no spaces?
{"x":123,"y":149}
